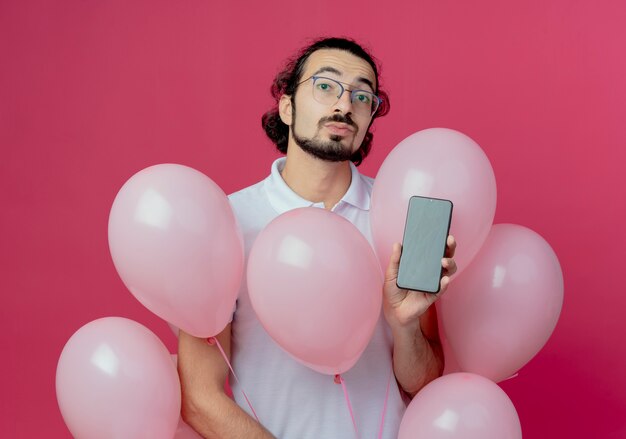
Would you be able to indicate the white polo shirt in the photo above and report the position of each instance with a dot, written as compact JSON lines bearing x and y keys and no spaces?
{"x":291,"y":400}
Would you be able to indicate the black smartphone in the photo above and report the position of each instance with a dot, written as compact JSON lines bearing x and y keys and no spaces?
{"x":424,"y":244}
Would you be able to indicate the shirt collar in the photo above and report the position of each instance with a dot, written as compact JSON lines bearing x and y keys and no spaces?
{"x":283,"y":198}
{"x":358,"y":194}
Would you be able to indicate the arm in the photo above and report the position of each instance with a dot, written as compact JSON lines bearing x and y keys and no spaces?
{"x":417,"y":352}
{"x":205,"y":405}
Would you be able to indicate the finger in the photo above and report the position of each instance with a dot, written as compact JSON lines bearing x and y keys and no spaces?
{"x":445,"y":281}
{"x":450,"y":246}
{"x":449,"y":266}
{"x":394,"y":262}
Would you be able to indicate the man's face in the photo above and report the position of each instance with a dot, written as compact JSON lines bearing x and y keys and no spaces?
{"x":331,"y":132}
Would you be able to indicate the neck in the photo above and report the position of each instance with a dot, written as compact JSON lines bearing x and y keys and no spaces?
{"x":314,"y":179}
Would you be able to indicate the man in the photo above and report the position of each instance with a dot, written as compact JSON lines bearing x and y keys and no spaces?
{"x":326,"y":99}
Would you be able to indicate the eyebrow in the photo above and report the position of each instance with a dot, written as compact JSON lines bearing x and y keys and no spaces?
{"x":338,"y":73}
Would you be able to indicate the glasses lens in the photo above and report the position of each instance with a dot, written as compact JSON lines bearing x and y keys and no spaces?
{"x":364,"y":102}
{"x":328,"y":91}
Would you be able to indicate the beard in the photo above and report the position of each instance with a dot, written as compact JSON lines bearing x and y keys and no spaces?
{"x":328,"y":150}
{"x":331,"y":150}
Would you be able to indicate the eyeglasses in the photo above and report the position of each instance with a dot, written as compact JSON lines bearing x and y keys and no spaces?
{"x":329,"y":91}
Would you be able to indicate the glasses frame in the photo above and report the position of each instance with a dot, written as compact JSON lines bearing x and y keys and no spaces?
{"x":343,"y":89}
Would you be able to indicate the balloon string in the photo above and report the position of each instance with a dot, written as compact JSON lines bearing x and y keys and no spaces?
{"x":339,"y":378}
{"x":382,"y":421}
{"x":212,"y":340}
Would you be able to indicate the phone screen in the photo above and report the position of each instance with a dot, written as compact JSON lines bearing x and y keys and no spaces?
{"x":424,"y":244}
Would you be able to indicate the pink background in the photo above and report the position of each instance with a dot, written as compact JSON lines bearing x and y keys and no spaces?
{"x":93,"y":91}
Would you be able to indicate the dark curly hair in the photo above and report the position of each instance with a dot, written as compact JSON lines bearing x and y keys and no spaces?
{"x":287,"y":80}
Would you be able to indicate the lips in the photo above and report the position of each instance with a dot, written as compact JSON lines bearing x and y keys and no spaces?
{"x":339,"y":128}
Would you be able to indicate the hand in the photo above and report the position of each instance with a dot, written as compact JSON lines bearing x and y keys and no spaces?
{"x":403,"y":308}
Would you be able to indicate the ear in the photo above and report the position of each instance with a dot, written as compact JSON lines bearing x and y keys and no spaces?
{"x":285,"y":109}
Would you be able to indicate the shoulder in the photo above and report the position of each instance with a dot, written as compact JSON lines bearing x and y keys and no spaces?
{"x":248,"y":199}
{"x":251,"y":194}
{"x":246,"y":194}
{"x":251,"y":206}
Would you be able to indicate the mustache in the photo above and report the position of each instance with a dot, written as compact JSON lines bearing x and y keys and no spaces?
{"x":341,"y":118}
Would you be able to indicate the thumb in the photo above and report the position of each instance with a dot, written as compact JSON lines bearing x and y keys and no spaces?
{"x":394,"y":262}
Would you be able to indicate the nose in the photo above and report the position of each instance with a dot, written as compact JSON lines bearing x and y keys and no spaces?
{"x":344,"y":103}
